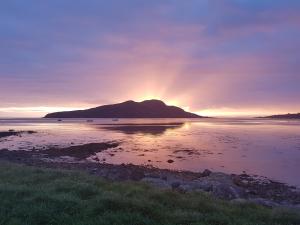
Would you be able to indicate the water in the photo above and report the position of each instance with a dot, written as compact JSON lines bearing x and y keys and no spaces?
{"x":268,"y":148}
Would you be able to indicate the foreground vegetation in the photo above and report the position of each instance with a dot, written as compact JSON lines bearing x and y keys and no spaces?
{"x":42,"y":196}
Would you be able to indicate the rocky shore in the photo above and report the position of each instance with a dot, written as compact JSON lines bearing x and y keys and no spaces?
{"x":238,"y":188}
{"x":5,"y":134}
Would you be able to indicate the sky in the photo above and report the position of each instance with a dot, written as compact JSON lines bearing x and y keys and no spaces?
{"x":212,"y":57}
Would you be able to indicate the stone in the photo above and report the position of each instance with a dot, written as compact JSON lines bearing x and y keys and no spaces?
{"x":237,"y":180}
{"x":206,"y":173}
{"x":157,"y":182}
{"x":137,"y":175}
{"x":226,"y":191}
{"x":185,"y":188}
{"x":220,"y":185}
{"x":264,"y":202}
{"x":94,"y":170}
{"x":297,"y":206}
{"x":153,"y":175}
{"x":175,"y":184}
{"x":239,"y":201}
{"x":204,"y":185}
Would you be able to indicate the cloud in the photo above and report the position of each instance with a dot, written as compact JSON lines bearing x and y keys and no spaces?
{"x":235,"y":54}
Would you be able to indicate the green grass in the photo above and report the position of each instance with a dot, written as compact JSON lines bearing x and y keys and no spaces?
{"x":32,"y":196}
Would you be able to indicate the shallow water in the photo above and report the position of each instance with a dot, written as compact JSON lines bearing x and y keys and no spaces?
{"x":268,"y":148}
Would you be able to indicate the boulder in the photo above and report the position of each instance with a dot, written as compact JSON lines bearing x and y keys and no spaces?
{"x":220,"y":185}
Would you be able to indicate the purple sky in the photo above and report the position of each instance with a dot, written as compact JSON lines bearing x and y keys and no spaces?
{"x":229,"y":57}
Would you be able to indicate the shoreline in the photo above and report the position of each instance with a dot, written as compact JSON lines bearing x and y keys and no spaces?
{"x":32,"y":195}
{"x":237,"y":188}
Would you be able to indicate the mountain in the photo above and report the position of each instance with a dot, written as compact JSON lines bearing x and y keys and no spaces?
{"x":128,"y":109}
{"x":284,"y":116}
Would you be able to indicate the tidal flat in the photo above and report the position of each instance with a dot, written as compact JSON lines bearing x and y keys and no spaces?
{"x":263,"y":147}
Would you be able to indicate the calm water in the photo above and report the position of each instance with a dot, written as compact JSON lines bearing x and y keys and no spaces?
{"x":264,"y":147}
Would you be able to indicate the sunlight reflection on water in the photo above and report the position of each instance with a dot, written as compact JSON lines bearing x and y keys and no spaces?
{"x":264,"y":147}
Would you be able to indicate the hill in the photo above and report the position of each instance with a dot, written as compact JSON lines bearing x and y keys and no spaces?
{"x":128,"y":109}
{"x":284,"y":116}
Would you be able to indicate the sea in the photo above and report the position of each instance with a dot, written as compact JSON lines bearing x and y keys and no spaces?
{"x":263,"y":147}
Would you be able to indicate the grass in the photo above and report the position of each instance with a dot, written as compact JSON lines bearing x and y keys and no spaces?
{"x":30,"y":196}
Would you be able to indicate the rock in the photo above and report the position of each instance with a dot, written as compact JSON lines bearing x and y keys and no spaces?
{"x":175,"y":184}
{"x":206,"y":172}
{"x":204,"y":185}
{"x":237,"y":180}
{"x":296,"y":206}
{"x":170,"y":161}
{"x":80,"y":151}
{"x":94,"y":170}
{"x":220,"y":185}
{"x":221,"y":177}
{"x":115,"y":174}
{"x":264,"y":202}
{"x":157,"y":182}
{"x":251,"y":192}
{"x":239,"y":201}
{"x":31,"y":132}
{"x":226,"y":191}
{"x":290,"y":207}
{"x":153,"y":175}
{"x":185,"y":188}
{"x":137,"y":175}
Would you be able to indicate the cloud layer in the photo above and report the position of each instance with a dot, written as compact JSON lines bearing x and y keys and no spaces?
{"x":211,"y":56}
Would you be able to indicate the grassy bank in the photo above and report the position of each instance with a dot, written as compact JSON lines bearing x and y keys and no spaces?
{"x":42,"y":196}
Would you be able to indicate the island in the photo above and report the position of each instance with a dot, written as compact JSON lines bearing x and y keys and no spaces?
{"x":283,"y":116}
{"x":129,"y":109}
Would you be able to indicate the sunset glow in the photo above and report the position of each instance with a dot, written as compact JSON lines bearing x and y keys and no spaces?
{"x":242,"y":59}
{"x":31,"y":111}
{"x":149,"y":112}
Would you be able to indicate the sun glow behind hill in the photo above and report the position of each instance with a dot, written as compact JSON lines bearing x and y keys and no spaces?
{"x":170,"y":102}
{"x":235,"y":61}
{"x":40,"y":111}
